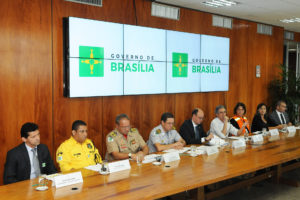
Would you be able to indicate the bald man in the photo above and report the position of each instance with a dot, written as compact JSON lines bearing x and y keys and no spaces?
{"x":192,"y":131}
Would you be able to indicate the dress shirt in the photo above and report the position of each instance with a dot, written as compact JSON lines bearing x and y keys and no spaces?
{"x":216,"y":127}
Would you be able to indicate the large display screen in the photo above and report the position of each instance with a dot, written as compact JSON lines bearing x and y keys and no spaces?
{"x":104,"y":59}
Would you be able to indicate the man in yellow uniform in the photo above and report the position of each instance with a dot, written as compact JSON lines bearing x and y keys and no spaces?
{"x":125,"y":142}
{"x":78,"y":151}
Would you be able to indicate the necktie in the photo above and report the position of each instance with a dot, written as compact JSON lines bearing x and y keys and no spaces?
{"x":35,"y":163}
{"x":197,"y":135}
{"x":282,"y":118}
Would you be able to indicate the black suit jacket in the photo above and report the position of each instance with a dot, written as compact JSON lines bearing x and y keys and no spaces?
{"x":187,"y":132}
{"x":17,"y":165}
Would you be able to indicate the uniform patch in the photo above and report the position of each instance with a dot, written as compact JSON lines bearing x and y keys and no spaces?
{"x":132,"y":142}
{"x":110,"y":139}
{"x":43,"y":164}
{"x":133,"y":129}
{"x":174,"y":128}
{"x":89,"y":146}
{"x":77,"y":154}
{"x":113,"y":134}
{"x":60,"y":153}
{"x":59,"y":158}
{"x":158,"y":131}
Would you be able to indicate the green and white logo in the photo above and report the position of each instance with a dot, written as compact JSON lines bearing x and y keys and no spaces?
{"x":180,"y":64}
{"x":91,"y":61}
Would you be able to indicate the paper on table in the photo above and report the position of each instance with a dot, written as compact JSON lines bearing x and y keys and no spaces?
{"x":150,"y":158}
{"x":183,"y":150}
{"x":95,"y":168}
{"x":217,"y":141}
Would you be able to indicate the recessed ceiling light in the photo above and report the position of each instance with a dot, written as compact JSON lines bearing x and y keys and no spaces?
{"x":290,"y":20}
{"x":219,"y":3}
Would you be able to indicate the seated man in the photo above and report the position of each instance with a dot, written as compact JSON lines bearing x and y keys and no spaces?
{"x":29,"y":159}
{"x":125,"y":142}
{"x":165,"y":136}
{"x":220,"y":125}
{"x":279,"y":117}
{"x":192,"y":131}
{"x":78,"y":151}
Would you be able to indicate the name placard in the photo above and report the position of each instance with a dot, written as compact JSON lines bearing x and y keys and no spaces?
{"x":291,"y":134}
{"x":291,"y":129}
{"x":212,"y":150}
{"x":67,"y":179}
{"x":119,"y":166}
{"x":274,"y":132}
{"x":169,"y":157}
{"x":257,"y":138}
{"x":238,"y":144}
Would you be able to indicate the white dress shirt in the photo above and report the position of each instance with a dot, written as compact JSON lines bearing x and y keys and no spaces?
{"x":216,"y":127}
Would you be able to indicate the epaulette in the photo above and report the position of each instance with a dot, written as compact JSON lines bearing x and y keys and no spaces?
{"x":158,"y":131}
{"x":133,"y":129}
{"x":113,"y":134}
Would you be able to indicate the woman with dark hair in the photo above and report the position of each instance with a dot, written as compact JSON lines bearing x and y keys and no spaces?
{"x":238,"y":120}
{"x":261,"y":119}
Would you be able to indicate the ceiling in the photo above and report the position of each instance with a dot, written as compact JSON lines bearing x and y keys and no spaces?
{"x":263,"y":11}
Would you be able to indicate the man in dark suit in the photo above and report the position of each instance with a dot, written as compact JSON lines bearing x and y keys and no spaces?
{"x":29,"y":159}
{"x":192,"y":131}
{"x":279,"y":117}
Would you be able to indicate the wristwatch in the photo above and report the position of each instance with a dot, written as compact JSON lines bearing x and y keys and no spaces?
{"x":129,"y":155}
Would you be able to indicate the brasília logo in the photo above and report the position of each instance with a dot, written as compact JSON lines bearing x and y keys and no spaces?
{"x":180,"y":64}
{"x":91,"y":61}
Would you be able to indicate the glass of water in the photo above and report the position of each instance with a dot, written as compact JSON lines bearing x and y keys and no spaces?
{"x":193,"y":150}
{"x":138,"y":160}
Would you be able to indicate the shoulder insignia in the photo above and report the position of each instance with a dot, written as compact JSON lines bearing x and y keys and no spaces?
{"x":110,"y":139}
{"x":89,"y":146}
{"x":158,"y":131}
{"x":133,"y":129}
{"x":113,"y":134}
{"x":174,"y":128}
{"x":60,"y":153}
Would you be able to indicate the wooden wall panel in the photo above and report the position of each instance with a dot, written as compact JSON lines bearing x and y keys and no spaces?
{"x":32,"y":87}
{"x":238,"y":77}
{"x":25,"y":70}
{"x":297,"y":37}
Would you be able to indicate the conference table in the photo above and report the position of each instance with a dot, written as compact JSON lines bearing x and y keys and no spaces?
{"x":274,"y":156}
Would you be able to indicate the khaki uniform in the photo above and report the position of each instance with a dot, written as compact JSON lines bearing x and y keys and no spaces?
{"x":73,"y":155}
{"x":116,"y":142}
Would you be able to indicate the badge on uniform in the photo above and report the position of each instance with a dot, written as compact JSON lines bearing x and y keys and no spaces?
{"x":158,"y":131}
{"x":132,"y":142}
{"x":43,"y":164}
{"x":59,"y":158}
{"x":89,"y":146}
{"x":114,"y":134}
{"x":133,"y":129}
{"x":174,"y":128}
{"x":110,"y":139}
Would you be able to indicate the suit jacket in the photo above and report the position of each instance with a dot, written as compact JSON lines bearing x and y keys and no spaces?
{"x":17,"y":165}
{"x":187,"y":132}
{"x":274,"y":118}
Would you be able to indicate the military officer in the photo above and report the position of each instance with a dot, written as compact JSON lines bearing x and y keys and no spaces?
{"x":78,"y":151}
{"x":165,"y":136}
{"x":125,"y":142}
